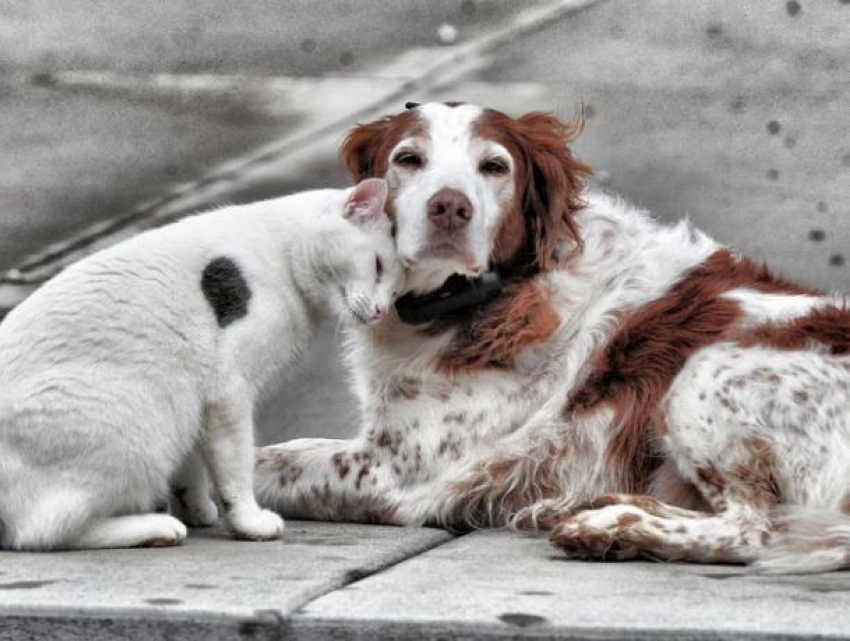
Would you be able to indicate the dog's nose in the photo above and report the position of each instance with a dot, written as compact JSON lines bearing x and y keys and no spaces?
{"x":449,"y":209}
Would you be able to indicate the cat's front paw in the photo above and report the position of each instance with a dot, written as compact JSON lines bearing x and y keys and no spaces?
{"x":255,"y":524}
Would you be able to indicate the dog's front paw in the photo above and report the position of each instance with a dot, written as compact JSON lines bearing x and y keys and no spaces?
{"x":255,"y":524}
{"x":596,"y":534}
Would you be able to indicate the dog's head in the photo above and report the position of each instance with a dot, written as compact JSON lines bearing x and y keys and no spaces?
{"x":471,"y":188}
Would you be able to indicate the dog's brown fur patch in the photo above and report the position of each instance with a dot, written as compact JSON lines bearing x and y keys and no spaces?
{"x":651,"y":346}
{"x":496,"y":332}
{"x":366,"y":150}
{"x":829,"y":327}
{"x":548,"y":184}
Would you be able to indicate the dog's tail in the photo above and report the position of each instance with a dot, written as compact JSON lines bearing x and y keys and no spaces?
{"x":806,"y":541}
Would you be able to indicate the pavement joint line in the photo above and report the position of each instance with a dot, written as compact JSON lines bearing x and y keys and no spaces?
{"x":39,"y":266}
{"x":312,"y":628}
{"x":354,"y":576}
{"x":275,"y":616}
{"x":140,"y":613}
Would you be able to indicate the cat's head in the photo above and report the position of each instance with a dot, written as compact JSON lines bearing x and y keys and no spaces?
{"x":372,"y":273}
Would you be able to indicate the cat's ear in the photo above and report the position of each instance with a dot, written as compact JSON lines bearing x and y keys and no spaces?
{"x":367,"y":201}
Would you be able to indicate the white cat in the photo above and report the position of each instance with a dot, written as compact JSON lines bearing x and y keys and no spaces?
{"x":114,"y":371}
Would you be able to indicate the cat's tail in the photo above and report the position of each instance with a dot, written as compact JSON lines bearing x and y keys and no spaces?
{"x":806,"y":541}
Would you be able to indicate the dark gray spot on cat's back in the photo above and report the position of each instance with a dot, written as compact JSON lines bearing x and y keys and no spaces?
{"x":225,"y":290}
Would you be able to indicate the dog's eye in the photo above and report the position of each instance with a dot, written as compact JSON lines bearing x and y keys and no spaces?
{"x":409,"y":160}
{"x":493,"y":167}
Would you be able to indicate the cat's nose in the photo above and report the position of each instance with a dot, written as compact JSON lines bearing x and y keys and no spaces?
{"x":380,"y":311}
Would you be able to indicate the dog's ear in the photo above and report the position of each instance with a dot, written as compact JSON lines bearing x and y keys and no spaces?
{"x":366,"y":150}
{"x":551,"y":183}
{"x":367,"y":201}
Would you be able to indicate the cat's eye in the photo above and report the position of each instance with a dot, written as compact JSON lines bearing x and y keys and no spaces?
{"x":494,"y":167}
{"x":409,"y":159}
{"x":379,"y":267}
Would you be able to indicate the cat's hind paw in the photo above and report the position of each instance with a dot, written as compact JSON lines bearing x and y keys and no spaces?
{"x":201,"y":513}
{"x":193,"y":508}
{"x":168,"y":532}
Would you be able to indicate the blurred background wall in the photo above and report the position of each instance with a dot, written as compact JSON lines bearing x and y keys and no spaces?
{"x":118,"y":115}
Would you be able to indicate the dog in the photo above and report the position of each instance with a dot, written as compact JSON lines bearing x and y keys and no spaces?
{"x":563,"y":362}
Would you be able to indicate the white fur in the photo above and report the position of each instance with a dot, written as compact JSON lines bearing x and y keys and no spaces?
{"x":452,"y":155}
{"x":759,"y":307}
{"x":115,"y":371}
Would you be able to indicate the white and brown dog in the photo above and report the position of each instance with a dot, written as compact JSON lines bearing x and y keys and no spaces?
{"x":637,"y":389}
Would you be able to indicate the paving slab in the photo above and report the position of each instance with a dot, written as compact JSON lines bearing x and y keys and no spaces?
{"x":210,"y":587}
{"x":503,"y":585}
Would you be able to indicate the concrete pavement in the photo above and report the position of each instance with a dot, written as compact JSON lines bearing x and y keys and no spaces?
{"x":509,"y":585}
{"x":210,"y":587}
{"x":332,"y":581}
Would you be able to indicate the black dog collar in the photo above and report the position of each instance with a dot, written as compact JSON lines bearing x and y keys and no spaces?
{"x":456,"y":294}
